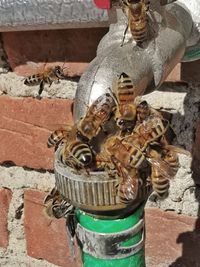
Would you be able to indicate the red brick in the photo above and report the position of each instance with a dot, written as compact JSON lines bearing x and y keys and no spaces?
{"x":172,"y":238}
{"x":196,"y":155}
{"x":25,"y":124}
{"x":5,"y":198}
{"x":45,"y":238}
{"x":76,"y":46}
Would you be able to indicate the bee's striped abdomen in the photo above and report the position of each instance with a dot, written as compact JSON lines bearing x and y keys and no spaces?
{"x":140,"y":34}
{"x":55,"y":138}
{"x":125,"y":89}
{"x":137,"y":157}
{"x":81,"y":152}
{"x":33,"y":80}
{"x":160,"y":183}
{"x":76,"y":155}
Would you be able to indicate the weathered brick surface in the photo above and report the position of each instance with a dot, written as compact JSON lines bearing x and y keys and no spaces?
{"x":75,"y":46}
{"x":172,"y":238}
{"x":196,"y":155}
{"x":5,"y":198}
{"x":45,"y":238}
{"x":25,"y":124}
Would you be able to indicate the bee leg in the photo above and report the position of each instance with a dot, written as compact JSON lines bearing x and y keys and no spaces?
{"x":50,"y":83}
{"x":147,"y":4}
{"x":124,"y":35}
{"x":40,"y":90}
{"x":56,"y":82}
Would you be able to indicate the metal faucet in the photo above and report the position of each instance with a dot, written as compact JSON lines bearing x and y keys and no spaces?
{"x":148,"y":66}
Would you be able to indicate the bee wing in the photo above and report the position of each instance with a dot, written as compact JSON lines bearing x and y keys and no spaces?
{"x":128,"y":187}
{"x":178,"y":150}
{"x":164,"y":168}
{"x":32,"y":64}
{"x":35,"y":68}
{"x":58,"y":126}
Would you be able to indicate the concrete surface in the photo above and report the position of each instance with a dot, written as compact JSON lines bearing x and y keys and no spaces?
{"x":13,"y":85}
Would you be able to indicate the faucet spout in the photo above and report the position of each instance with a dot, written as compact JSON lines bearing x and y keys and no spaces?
{"x":148,"y":66}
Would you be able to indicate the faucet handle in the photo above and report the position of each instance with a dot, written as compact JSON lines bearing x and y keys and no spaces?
{"x":104,"y":4}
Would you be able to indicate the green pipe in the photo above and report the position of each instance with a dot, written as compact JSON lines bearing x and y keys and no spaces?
{"x":113,"y":226}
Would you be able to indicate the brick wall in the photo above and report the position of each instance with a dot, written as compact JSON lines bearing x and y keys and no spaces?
{"x":27,"y":236}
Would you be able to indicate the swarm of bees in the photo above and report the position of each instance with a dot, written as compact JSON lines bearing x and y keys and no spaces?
{"x":123,"y":136}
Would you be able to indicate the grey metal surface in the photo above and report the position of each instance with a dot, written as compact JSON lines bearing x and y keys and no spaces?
{"x":148,"y":67}
{"x":16,"y":15}
{"x":95,"y":192}
{"x":108,"y":246}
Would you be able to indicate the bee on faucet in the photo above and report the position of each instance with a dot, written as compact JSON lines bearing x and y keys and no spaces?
{"x":136,"y":12}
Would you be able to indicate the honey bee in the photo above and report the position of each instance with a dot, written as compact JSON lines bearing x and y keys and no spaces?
{"x":58,"y":136}
{"x":143,"y":111}
{"x":130,"y":155}
{"x":56,"y":206}
{"x":152,"y":128}
{"x":126,"y":94}
{"x":97,"y":115}
{"x":128,"y":186}
{"x":136,"y":12}
{"x":103,"y":162}
{"x":162,"y":171}
{"x":76,"y":154}
{"x":48,"y":76}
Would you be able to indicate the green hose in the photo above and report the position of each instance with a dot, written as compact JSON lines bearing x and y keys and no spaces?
{"x":114,"y":226}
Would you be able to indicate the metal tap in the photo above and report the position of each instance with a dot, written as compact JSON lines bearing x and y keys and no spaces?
{"x":148,"y":66}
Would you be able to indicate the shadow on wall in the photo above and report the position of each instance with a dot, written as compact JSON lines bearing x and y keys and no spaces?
{"x":47,"y":46}
{"x":191,"y":120}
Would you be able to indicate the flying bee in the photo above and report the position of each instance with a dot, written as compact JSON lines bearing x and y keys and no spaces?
{"x":126,"y":95}
{"x":56,"y":206}
{"x":76,"y":154}
{"x":97,"y":115}
{"x":128,"y":186}
{"x":58,"y":136}
{"x":136,"y":12}
{"x":48,"y":76}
